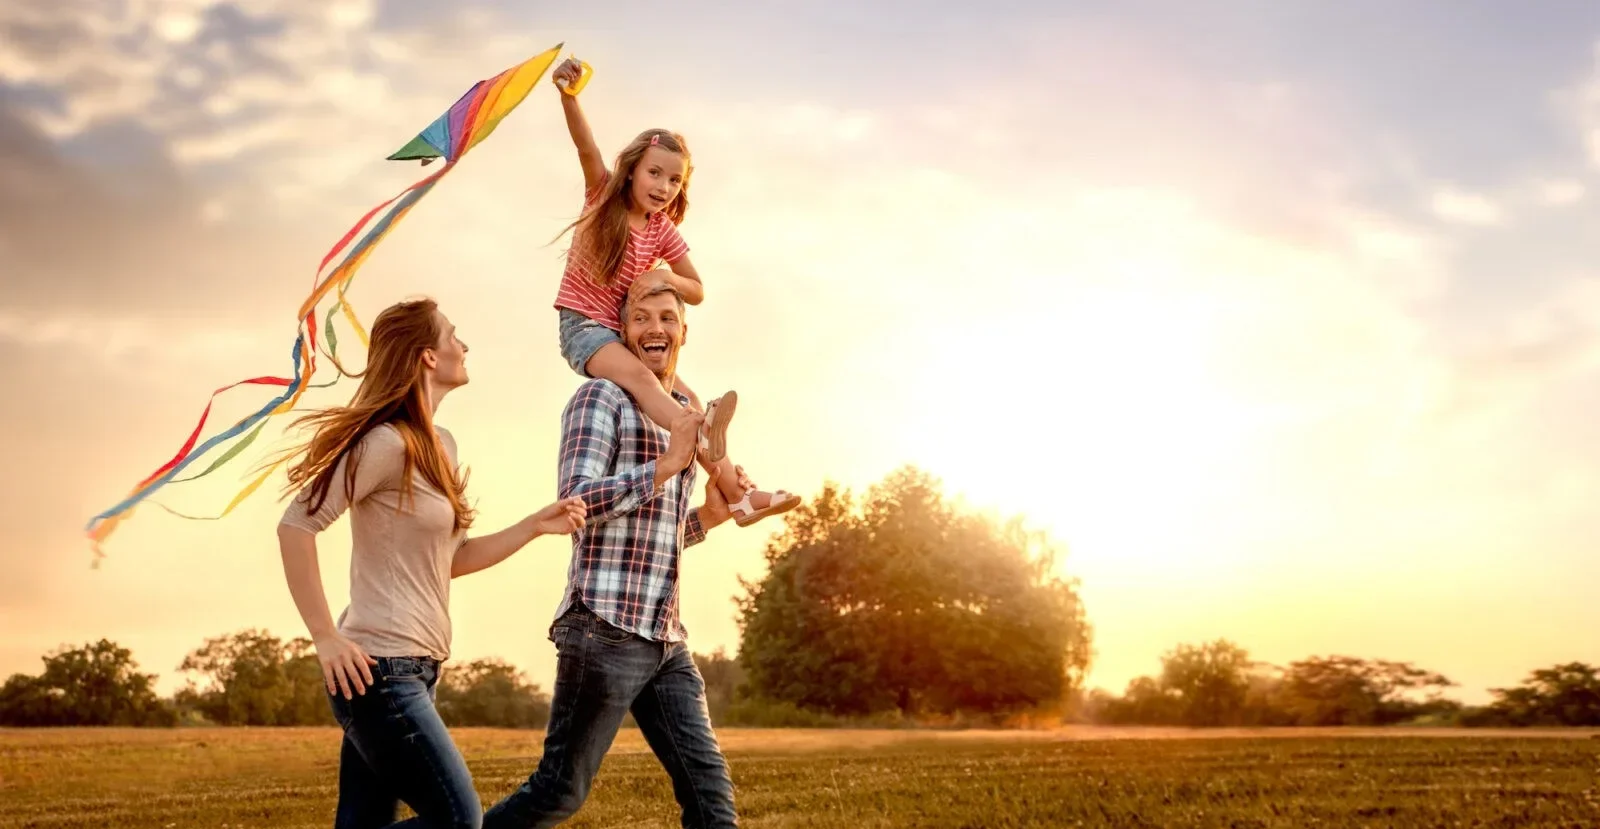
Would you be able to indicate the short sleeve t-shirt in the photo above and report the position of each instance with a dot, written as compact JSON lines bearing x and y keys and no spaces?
{"x":657,"y":241}
{"x":401,"y":550}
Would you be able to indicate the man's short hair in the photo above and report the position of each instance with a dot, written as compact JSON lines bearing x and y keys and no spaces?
{"x":654,"y":290}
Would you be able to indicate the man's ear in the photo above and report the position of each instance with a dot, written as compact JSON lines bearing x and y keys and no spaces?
{"x":683,"y":333}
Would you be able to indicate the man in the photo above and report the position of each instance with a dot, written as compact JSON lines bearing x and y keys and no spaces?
{"x":619,"y":643}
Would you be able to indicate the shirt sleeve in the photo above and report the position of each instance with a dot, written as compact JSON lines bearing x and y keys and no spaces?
{"x":589,"y":443}
{"x":379,"y":458}
{"x":693,"y":531}
{"x":671,"y":246}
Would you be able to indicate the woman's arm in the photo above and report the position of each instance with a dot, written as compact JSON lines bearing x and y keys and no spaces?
{"x":378,"y":460}
{"x":345,"y":665}
{"x":560,"y":518}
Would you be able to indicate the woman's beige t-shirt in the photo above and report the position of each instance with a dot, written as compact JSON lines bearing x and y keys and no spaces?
{"x":399,"y":559}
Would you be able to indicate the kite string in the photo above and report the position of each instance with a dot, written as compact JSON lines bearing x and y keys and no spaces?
{"x":102,"y":525}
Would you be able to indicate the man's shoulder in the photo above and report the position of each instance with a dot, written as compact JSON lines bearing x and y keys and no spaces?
{"x":600,"y":393}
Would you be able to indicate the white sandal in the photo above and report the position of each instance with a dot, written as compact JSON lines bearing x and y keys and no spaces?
{"x":745,"y":514}
{"x":714,"y":432}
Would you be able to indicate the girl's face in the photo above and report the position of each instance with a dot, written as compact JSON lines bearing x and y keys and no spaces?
{"x":657,"y":179}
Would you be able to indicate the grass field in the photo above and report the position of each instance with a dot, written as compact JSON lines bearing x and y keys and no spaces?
{"x":819,"y":779}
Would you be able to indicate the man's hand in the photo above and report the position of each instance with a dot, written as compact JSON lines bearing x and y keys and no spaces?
{"x":563,"y":517}
{"x":715,"y":510}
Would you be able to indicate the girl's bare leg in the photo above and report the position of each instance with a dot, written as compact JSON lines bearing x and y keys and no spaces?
{"x":761,"y":503}
{"x":616,"y":363}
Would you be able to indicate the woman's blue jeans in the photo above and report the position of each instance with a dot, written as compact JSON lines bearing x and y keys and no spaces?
{"x":396,"y":748}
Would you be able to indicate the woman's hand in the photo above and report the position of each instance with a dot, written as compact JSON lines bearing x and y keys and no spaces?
{"x":563,"y":517}
{"x":344,"y":665}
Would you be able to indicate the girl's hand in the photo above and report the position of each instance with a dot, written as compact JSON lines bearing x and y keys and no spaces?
{"x":564,"y":517}
{"x":646,"y":282}
{"x":567,"y":73}
{"x":344,"y":665}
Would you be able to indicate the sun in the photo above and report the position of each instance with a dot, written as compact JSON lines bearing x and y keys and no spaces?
{"x":1110,"y":423}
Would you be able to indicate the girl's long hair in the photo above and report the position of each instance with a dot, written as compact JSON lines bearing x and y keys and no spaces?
{"x":392,"y":391}
{"x":600,"y":234}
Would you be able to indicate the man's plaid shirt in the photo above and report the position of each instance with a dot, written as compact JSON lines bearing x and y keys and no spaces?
{"x":625,"y":559}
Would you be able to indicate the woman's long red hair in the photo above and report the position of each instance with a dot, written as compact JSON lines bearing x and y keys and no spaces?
{"x":392,"y":391}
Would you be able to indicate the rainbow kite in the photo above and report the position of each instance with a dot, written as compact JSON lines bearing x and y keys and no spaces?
{"x":470,"y":120}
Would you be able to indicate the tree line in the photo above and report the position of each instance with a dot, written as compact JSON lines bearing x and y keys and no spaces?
{"x":1218,"y":684}
{"x":246,"y":678}
{"x":892,"y":608}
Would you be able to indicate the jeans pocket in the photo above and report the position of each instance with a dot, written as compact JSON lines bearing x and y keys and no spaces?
{"x":608,"y":633}
{"x":391,"y":668}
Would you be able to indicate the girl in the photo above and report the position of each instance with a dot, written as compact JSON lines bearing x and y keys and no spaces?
{"x":383,"y":459}
{"x":629,"y":223}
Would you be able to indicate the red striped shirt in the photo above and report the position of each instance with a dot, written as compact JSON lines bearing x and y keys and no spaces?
{"x":658,"y":241}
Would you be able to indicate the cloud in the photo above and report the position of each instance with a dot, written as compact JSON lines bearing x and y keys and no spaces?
{"x":129,"y":343}
{"x":130,"y":237}
{"x":1466,"y":208}
{"x":1561,"y":192}
{"x":1578,"y":105}
{"x":1236,"y":282}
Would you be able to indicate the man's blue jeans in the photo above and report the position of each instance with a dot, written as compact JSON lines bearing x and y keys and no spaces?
{"x":603,"y":672}
{"x":397,"y":749}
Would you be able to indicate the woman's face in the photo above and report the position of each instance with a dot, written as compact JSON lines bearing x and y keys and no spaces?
{"x":449,"y":355}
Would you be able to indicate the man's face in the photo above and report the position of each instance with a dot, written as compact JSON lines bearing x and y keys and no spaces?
{"x":654,"y":331}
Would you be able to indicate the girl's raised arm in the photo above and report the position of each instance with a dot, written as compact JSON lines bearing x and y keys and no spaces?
{"x":594,"y":165}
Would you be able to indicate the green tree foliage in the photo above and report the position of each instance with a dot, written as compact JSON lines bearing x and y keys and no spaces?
{"x":903,"y":603}
{"x":1218,"y":684}
{"x":1561,"y":695}
{"x":254,"y":678}
{"x":490,"y":693}
{"x":724,"y":679}
{"x":1344,"y":690}
{"x":96,"y":684}
{"x":1210,"y":682}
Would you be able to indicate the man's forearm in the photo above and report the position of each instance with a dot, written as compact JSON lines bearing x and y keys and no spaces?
{"x":613,"y":495}
{"x":701,"y":520}
{"x":624,"y":492}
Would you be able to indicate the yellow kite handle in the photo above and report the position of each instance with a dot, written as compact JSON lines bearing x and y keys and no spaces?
{"x":577,"y":86}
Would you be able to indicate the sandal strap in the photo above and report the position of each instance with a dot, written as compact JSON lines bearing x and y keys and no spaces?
{"x":747,"y":508}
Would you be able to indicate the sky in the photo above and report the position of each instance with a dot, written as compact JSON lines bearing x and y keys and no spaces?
{"x":1281,"y":319}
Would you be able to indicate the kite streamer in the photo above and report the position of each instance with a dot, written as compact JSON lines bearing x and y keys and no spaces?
{"x":469,"y":121}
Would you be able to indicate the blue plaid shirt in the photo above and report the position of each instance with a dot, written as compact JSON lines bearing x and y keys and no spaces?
{"x":625,"y":559}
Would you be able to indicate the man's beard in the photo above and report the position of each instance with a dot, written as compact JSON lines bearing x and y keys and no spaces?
{"x":666,"y":374}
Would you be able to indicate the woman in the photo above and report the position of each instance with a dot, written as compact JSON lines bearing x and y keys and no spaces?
{"x":383,"y":459}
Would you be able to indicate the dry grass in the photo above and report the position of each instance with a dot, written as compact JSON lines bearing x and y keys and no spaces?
{"x":824,"y":778}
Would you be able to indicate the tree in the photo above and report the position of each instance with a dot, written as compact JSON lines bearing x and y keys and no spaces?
{"x":1218,"y":684}
{"x":724,"y":680}
{"x":1145,"y":702}
{"x":254,"y":678}
{"x":1345,"y":690}
{"x":491,"y":693}
{"x":1210,"y":682}
{"x":1561,"y":695}
{"x":902,"y":603}
{"x":96,"y":684}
